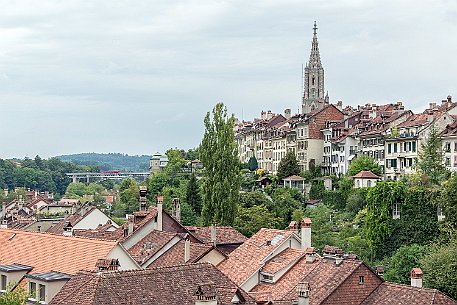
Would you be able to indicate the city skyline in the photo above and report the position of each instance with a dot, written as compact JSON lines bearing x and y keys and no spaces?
{"x":79,"y":77}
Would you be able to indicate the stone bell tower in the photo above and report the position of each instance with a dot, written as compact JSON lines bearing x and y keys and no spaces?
{"x":313,"y":79}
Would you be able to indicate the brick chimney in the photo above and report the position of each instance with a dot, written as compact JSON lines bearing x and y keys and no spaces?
{"x":416,"y":277}
{"x":160,"y":213}
{"x":131,"y":223}
{"x":310,"y":255}
{"x":293,"y":226}
{"x":205,"y":294}
{"x":143,"y":201}
{"x":107,"y":264}
{"x":303,"y":290}
{"x":176,"y":209}
{"x":186,"y":248}
{"x":305,"y":233}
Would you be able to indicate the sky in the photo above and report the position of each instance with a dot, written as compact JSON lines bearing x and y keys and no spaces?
{"x":138,"y":77}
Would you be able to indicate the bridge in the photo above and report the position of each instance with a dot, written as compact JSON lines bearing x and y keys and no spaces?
{"x":106,"y":176}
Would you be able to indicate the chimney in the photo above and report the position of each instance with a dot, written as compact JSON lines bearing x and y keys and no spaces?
{"x":380,"y":270}
{"x":449,"y":99}
{"x":186,"y":248}
{"x":305,"y":233}
{"x":73,"y":209}
{"x":416,"y":277}
{"x":213,"y":234}
{"x":293,"y":226}
{"x":131,"y":222}
{"x":432,"y":106}
{"x":310,"y":255}
{"x":206,"y":294}
{"x":107,"y":264}
{"x":143,"y":192}
{"x":303,"y":290}
{"x":159,"y":213}
{"x":176,"y":209}
{"x":263,"y":115}
{"x":287,"y":113}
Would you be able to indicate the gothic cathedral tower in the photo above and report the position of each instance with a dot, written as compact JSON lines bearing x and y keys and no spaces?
{"x":313,"y":78}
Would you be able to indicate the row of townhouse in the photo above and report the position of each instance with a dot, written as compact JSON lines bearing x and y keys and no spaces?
{"x":331,"y":137}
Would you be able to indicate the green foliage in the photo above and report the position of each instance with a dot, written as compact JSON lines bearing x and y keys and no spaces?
{"x":250,"y":199}
{"x":345,"y":185}
{"x":399,"y":266}
{"x":129,"y":195}
{"x":317,"y":190}
{"x":333,"y":199}
{"x":440,"y":268}
{"x":18,"y":296}
{"x":221,"y":178}
{"x":285,"y":201}
{"x":176,"y":162}
{"x":122,"y":162}
{"x":430,"y":161}
{"x":380,"y":200}
{"x":155,"y":185}
{"x":288,"y":166}
{"x":356,"y":200}
{"x":447,"y":200}
{"x":366,"y":163}
{"x":252,"y":164}
{"x":38,"y":174}
{"x":250,"y":220}
{"x":248,"y":179}
{"x":193,"y":197}
{"x":188,"y":215}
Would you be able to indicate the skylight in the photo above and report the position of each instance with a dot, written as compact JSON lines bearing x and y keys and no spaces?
{"x":277,"y":238}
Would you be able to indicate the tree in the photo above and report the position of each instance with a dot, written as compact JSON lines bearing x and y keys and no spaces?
{"x":440,"y":268}
{"x":317,"y":190}
{"x":288,"y":166}
{"x":129,"y":195}
{"x":252,"y":164}
{"x":430,"y":161}
{"x":193,"y":197}
{"x":364,"y":163}
{"x":447,"y":200}
{"x":221,"y":178}
{"x":250,"y":220}
{"x":18,"y":296}
{"x":378,"y":222}
{"x":400,"y":264}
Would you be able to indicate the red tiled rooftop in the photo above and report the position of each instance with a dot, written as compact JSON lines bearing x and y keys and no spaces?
{"x":224,"y":235}
{"x":365,"y":175}
{"x":46,"y":252}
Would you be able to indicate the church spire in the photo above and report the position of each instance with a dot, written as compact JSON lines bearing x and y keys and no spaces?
{"x":314,"y":57}
{"x":313,"y":95}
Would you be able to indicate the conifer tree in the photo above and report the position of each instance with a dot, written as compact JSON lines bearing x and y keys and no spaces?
{"x":221,"y":174}
{"x":193,"y":195}
{"x":288,"y":166}
{"x":430,"y":162}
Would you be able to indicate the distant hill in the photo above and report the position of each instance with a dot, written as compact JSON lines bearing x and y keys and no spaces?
{"x":110,"y":161}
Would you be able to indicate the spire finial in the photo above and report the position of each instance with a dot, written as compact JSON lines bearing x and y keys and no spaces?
{"x":315,"y":28}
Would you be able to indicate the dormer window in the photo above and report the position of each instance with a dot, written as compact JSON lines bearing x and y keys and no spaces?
{"x":265,"y":277}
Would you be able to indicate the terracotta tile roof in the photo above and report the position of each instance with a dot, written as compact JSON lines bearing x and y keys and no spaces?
{"x":450,"y":130}
{"x":283,"y":259}
{"x":224,"y":235}
{"x":390,"y":293}
{"x":365,"y":175}
{"x":175,"y":255}
{"x":149,"y":245}
{"x":46,"y":252}
{"x":248,"y":257}
{"x":294,"y":178}
{"x":169,"y":285}
{"x":415,"y":120}
{"x":72,"y":219}
{"x":323,"y":275}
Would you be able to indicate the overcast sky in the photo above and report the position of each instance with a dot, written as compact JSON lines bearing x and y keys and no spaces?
{"x":138,"y":76}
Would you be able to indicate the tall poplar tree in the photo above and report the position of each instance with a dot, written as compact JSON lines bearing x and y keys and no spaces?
{"x":221,"y":175}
